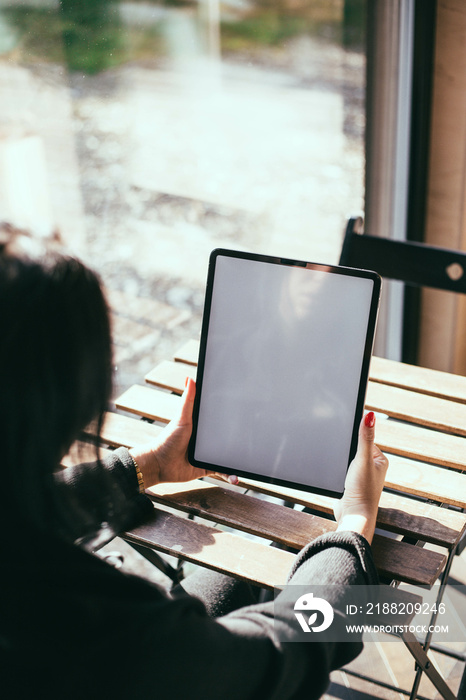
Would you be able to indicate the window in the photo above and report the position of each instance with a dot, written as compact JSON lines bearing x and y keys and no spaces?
{"x":151,"y":133}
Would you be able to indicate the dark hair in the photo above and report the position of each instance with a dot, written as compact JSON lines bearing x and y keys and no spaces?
{"x":55,"y":368}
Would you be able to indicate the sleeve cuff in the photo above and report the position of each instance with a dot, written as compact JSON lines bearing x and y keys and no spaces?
{"x":350,"y":542}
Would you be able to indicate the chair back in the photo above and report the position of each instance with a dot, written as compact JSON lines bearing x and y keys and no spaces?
{"x":416,"y":264}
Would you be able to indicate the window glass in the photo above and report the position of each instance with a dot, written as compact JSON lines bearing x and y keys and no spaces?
{"x":150,"y":133}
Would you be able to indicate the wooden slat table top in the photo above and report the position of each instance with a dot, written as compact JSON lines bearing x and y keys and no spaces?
{"x":408,"y":476}
{"x":425,"y":444}
{"x":207,"y":546}
{"x":248,"y":559}
{"x":121,"y":431}
{"x":411,"y":406}
{"x":397,"y":513}
{"x":148,"y":403}
{"x":398,"y":374}
{"x":292,"y":528}
{"x":188,"y":353}
{"x":171,"y":375}
{"x":400,"y":403}
{"x":425,"y":381}
{"x":426,"y":481}
{"x":214,"y":549}
{"x":393,"y":437}
{"x":427,"y":457}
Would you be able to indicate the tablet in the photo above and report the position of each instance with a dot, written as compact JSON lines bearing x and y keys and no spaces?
{"x":283,"y":368}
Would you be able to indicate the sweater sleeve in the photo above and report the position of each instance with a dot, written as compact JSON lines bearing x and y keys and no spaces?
{"x":93,"y":496}
{"x":302,"y":669}
{"x":246,"y":654}
{"x":243,"y":653}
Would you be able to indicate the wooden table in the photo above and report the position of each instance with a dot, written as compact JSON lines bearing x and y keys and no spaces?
{"x":424,"y":436}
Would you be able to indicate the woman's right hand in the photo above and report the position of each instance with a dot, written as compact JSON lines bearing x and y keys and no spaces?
{"x":357,"y":509}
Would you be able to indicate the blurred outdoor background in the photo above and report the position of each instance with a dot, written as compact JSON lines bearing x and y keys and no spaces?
{"x":149,"y":133}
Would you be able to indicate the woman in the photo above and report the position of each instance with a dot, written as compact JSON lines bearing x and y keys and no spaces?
{"x":71,"y":625}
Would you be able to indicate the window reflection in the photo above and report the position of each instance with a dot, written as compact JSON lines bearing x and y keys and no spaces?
{"x":151,"y":133}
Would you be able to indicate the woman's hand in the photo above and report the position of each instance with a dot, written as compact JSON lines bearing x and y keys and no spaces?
{"x":166,"y":459}
{"x":357,"y":509}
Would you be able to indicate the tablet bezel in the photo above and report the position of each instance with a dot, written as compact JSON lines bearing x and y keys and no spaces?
{"x":367,"y":353}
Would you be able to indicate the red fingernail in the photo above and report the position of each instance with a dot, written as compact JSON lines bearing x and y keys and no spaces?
{"x":369,"y":420}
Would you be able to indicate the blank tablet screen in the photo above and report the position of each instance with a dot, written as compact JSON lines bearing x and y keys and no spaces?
{"x":283,"y":365}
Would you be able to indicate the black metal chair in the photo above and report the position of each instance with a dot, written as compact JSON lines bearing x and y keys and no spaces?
{"x":415,"y":264}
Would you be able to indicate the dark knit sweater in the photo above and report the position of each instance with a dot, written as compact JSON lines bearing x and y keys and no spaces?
{"x":73,"y":627}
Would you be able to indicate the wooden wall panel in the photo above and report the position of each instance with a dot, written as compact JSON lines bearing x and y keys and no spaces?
{"x":443,"y":321}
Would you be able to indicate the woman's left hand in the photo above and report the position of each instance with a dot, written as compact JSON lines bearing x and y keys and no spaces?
{"x":166,"y":459}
